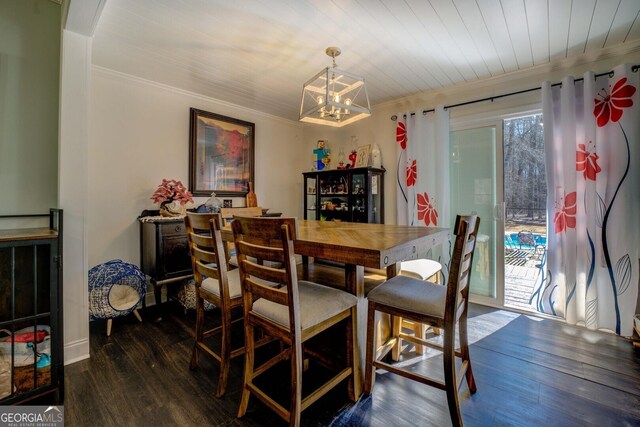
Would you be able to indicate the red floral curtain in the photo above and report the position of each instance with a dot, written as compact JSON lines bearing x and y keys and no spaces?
{"x":592,"y":149}
{"x":422,"y":176}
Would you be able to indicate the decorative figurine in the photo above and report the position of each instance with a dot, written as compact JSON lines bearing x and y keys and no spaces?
{"x":352,"y":159}
{"x":320,"y":154}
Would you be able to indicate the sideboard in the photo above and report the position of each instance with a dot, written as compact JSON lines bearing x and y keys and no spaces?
{"x":164,"y":250}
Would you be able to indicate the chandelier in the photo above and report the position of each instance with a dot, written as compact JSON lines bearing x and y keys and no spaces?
{"x":334,"y":97}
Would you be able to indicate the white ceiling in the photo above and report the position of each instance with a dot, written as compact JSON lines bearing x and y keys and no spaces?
{"x":258,"y":53}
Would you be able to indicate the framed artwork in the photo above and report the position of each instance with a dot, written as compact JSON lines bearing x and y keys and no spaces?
{"x":362,"y":158}
{"x":221,"y":154}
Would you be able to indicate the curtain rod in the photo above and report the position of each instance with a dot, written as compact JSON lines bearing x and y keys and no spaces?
{"x":634,"y":69}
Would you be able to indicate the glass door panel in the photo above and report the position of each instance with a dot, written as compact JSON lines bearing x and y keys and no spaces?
{"x":525,"y":195}
{"x":474,"y":190}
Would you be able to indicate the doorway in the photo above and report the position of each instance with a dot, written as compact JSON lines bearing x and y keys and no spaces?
{"x":497,"y":171}
{"x":474,"y":189}
{"x":525,"y":214}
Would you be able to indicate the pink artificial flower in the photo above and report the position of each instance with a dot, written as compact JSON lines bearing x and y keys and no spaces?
{"x":170,"y":190}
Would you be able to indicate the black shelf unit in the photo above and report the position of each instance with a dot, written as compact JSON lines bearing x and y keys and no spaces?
{"x":30,"y":296}
{"x":350,"y":195}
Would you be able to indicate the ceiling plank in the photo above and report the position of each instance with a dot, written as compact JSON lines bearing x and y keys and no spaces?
{"x":603,"y":14}
{"x":581,"y":18}
{"x":622,"y":22}
{"x":559,"y":19}
{"x":452,"y":20}
{"x":538,"y":24}
{"x":494,"y":19}
{"x":634,"y":32}
{"x":475,"y":25}
{"x":439,"y":41}
{"x":392,"y":34}
{"x":516,"y":19}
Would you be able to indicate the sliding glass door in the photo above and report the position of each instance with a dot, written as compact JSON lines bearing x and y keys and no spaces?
{"x":498,"y":172}
{"x":476,"y":188}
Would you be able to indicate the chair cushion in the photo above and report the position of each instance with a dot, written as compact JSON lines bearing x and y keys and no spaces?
{"x":411,"y":294}
{"x":317,"y":304}
{"x":235,"y":288}
{"x":420,"y":268}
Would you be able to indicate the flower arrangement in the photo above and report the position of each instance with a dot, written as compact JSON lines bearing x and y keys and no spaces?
{"x":172,"y":191}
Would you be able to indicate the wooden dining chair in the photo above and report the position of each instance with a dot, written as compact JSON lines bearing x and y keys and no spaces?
{"x":441,"y":306}
{"x":293,"y":314}
{"x":216,"y":284}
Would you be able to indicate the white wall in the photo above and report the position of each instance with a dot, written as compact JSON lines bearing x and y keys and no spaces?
{"x":74,"y":115}
{"x":380,"y":129}
{"x":139,"y":134}
{"x":29,"y":90}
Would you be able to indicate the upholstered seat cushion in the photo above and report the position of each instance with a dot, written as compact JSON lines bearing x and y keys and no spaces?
{"x":411,"y":294}
{"x":317,"y":304}
{"x":420,"y":268}
{"x":235,"y":288}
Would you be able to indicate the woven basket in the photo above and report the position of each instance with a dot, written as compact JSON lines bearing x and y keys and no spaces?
{"x":111,"y":277}
{"x":187,"y":297}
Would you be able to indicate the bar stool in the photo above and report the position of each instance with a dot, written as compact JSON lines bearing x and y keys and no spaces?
{"x":441,"y":306}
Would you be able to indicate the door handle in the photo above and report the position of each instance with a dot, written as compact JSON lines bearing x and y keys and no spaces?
{"x":498,"y":211}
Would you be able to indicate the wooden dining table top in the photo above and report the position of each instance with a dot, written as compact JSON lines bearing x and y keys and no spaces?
{"x":368,"y":245}
{"x":360,"y":245}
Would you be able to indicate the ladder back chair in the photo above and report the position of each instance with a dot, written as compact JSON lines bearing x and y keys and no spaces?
{"x":216,"y":284}
{"x":294,"y":313}
{"x":440,"y":306}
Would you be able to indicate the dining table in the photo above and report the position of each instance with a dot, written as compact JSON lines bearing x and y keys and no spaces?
{"x":358,"y":246}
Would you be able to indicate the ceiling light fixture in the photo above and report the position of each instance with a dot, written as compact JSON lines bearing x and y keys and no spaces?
{"x":334,"y":97}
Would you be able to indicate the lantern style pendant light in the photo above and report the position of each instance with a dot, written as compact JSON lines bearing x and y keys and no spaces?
{"x":334,"y":97}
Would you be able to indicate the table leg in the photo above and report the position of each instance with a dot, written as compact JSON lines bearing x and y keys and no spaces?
{"x":354,"y":282}
{"x":396,"y":322}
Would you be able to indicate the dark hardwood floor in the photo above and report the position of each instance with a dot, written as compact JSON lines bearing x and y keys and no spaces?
{"x":530,"y":372}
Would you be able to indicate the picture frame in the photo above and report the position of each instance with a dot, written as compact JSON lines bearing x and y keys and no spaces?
{"x":221,"y":154}
{"x":362,"y":158}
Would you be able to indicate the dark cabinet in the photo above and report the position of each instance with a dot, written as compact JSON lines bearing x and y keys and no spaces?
{"x":31,"y":342}
{"x":352,"y":195}
{"x":164,"y":251}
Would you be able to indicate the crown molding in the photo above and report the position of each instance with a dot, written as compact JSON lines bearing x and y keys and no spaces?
{"x":162,"y":86}
{"x":598,"y":61}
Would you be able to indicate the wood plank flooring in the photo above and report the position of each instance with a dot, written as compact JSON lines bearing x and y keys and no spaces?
{"x":530,"y":372}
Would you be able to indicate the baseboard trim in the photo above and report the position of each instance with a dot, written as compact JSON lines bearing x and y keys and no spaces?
{"x":76,"y":351}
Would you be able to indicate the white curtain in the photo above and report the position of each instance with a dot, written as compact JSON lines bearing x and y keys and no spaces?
{"x":592,"y":150}
{"x":422,"y":180}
